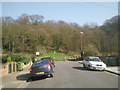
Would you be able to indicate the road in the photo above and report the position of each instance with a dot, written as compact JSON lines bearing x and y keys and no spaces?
{"x":73,"y":75}
{"x":70,"y":74}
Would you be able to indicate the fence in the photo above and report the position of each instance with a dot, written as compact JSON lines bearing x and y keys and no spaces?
{"x":10,"y":68}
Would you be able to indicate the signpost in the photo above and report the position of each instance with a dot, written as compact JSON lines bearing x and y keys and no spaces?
{"x":37,"y":53}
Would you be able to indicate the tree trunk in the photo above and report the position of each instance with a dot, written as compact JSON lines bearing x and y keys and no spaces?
{"x":13,"y":47}
{"x":9,"y":47}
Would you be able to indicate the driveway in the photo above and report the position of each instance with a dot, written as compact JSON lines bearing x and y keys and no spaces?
{"x":70,"y":74}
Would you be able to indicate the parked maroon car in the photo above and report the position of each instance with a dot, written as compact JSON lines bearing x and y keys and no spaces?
{"x":50,"y":59}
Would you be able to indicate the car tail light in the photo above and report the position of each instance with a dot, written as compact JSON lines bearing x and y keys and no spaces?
{"x":31,"y":69}
{"x":47,"y":66}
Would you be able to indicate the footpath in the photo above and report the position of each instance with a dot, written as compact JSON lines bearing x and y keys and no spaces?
{"x":115,"y":70}
{"x":15,"y":79}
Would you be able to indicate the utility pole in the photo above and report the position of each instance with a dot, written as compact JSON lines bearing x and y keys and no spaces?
{"x":81,"y":44}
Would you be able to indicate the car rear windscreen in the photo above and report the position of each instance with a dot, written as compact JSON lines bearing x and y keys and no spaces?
{"x":41,"y":62}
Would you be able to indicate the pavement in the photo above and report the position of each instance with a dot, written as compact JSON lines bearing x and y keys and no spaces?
{"x":15,"y":79}
{"x":114,"y":69}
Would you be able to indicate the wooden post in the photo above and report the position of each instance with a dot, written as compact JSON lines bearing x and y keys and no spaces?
{"x":11,"y":67}
{"x":15,"y":67}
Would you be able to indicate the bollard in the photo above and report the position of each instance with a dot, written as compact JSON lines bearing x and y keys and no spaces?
{"x":9,"y":68}
{"x":13,"y":67}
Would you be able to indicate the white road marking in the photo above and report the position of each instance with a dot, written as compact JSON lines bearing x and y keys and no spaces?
{"x":24,"y":84}
{"x":48,"y":78}
{"x":1,"y":87}
{"x":17,"y":82}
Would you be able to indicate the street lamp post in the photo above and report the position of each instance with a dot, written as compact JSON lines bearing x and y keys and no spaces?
{"x":81,"y":44}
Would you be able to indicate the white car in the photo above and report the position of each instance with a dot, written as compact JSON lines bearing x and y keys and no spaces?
{"x":94,"y":63}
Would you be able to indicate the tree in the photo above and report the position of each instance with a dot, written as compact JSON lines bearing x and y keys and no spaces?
{"x":36,"y":19}
{"x":29,"y":33}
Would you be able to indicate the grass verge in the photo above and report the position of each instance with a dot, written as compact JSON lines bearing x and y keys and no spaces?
{"x":56,"y":56}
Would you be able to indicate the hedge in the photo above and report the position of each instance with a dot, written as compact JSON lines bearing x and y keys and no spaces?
{"x":15,"y":58}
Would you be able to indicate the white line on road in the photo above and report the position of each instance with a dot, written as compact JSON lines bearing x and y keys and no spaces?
{"x":17,"y":82}
{"x":24,"y":84}
{"x":1,"y":87}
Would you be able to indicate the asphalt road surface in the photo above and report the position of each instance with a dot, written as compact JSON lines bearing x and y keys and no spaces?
{"x":70,"y":74}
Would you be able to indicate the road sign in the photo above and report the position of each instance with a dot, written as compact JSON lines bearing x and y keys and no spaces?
{"x":37,"y":53}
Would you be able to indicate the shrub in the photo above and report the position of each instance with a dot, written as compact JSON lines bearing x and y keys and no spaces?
{"x":114,"y":54}
{"x":4,"y":59}
{"x":33,"y":57}
{"x":111,"y":61}
{"x":9,"y":59}
{"x":15,"y":57}
{"x":25,"y":59}
{"x":89,"y":53}
{"x":18,"y":50}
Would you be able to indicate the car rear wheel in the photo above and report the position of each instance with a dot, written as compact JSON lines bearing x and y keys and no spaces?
{"x":51,"y":75}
